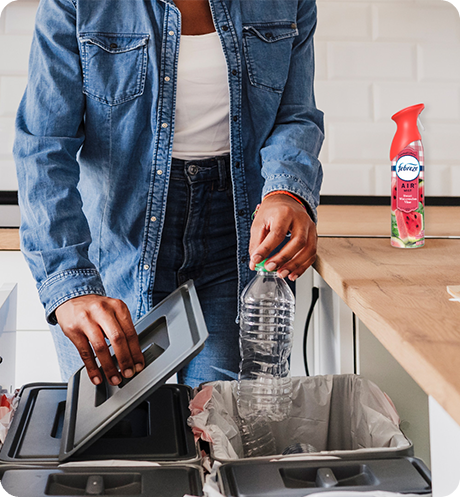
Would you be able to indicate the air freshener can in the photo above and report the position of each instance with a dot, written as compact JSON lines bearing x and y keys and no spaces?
{"x":407,"y":181}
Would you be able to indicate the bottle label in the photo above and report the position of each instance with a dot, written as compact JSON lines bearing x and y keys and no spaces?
{"x":408,"y":172}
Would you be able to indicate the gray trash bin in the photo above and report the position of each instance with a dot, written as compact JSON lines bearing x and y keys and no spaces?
{"x":348,"y":419}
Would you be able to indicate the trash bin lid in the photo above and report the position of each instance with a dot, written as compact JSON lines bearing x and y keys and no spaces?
{"x":161,"y":481}
{"x":170,"y":335}
{"x":299,"y":478}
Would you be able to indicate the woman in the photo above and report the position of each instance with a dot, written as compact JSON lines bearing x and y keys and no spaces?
{"x":148,"y":133}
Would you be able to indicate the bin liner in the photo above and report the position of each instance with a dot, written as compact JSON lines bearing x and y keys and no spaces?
{"x":8,"y":405}
{"x":340,"y":415}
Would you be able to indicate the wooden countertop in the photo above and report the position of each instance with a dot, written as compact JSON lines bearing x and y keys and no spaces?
{"x":357,"y":220}
{"x":9,"y":239}
{"x":400,"y":294}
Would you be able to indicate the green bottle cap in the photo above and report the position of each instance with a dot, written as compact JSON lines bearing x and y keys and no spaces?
{"x":261,"y":267}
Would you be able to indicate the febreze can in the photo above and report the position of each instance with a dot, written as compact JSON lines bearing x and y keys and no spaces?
{"x":407,"y":181}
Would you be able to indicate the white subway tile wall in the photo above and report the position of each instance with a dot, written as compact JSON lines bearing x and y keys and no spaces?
{"x":373,"y":58}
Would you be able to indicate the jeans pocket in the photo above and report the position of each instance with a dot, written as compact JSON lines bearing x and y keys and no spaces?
{"x":267,"y":51}
{"x":114,"y":66}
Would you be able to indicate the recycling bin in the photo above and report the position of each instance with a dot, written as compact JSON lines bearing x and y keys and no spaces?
{"x":349,"y":424}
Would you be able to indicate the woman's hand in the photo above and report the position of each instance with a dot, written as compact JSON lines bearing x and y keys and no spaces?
{"x":277,"y":216}
{"x":87,"y":321}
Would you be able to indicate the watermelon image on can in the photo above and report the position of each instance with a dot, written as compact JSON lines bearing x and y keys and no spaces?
{"x":407,"y":181}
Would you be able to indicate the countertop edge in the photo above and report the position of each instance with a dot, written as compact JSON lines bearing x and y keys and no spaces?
{"x":9,"y":239}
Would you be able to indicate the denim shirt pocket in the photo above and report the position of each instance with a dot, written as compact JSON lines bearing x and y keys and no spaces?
{"x":114,"y":66}
{"x":267,"y":50}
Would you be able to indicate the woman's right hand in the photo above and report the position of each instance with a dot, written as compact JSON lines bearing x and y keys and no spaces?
{"x":87,"y":321}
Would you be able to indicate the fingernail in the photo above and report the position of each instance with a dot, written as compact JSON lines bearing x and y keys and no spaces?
{"x":271,"y":266}
{"x":284,"y":273}
{"x":293,"y":277}
{"x":128,"y":373}
{"x":256,"y":258}
{"x":96,"y":380}
{"x":139,"y":368}
{"x":115,"y":380}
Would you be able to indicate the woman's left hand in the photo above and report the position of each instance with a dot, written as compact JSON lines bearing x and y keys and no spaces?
{"x":277,"y":216}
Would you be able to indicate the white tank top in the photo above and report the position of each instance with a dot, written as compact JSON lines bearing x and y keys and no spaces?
{"x":202,"y":99}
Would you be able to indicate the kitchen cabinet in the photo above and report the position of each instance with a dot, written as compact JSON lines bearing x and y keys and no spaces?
{"x":35,"y":357}
{"x":8,"y":304}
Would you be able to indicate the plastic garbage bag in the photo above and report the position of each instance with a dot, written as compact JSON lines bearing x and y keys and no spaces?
{"x":337,"y":414}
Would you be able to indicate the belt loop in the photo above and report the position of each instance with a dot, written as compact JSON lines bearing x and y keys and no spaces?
{"x":222,"y":174}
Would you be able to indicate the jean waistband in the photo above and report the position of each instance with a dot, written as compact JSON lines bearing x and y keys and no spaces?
{"x":210,"y":169}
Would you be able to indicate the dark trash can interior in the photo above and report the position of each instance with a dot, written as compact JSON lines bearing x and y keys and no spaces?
{"x":155,"y":430}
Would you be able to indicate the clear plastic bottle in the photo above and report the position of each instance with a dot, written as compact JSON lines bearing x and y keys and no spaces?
{"x":257,"y":437}
{"x":266,"y":326}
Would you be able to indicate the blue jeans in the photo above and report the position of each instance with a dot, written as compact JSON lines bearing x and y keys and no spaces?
{"x":198,"y":243}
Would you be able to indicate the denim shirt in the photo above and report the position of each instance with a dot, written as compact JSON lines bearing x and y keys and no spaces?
{"x":94,"y":134}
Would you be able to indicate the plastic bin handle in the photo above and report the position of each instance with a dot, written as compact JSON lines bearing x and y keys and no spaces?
{"x":325,"y":478}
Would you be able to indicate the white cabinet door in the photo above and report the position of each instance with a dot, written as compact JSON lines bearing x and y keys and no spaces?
{"x":36,"y":359}
{"x":303,"y":289}
{"x":445,"y":443}
{"x":375,"y":363}
{"x":330,"y":349}
{"x":8,"y":306}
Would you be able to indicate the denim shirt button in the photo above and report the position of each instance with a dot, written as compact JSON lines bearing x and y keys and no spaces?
{"x":241,"y":212}
{"x":159,"y":172}
{"x":235,"y":118}
{"x":146,"y":266}
{"x":164,"y":125}
{"x":234,"y":72}
{"x":167,"y":78}
{"x":225,"y":28}
{"x":237,"y":164}
{"x":171,"y":33}
{"x":244,"y":259}
{"x":153,"y":219}
{"x":113,"y":45}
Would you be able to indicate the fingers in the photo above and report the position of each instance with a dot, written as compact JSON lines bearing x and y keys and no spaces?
{"x":292,"y":264}
{"x":275,"y":235}
{"x":269,"y":228}
{"x":124,"y":318}
{"x":87,"y":321}
{"x":116,"y":336}
{"x":278,"y":216}
{"x":85,"y":350}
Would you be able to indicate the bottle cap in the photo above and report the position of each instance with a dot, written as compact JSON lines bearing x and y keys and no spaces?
{"x":261,"y":267}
